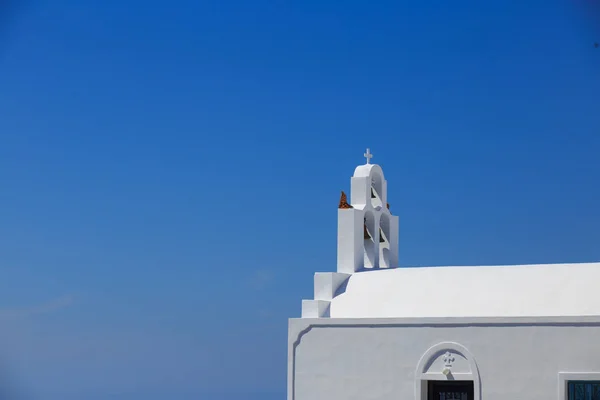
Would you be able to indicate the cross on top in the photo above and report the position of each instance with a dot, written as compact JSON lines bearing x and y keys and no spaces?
{"x":368,"y":156}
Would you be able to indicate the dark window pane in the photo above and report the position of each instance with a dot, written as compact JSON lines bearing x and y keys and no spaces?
{"x":581,"y":390}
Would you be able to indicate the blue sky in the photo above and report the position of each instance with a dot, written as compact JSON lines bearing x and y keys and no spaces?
{"x":170,"y":172}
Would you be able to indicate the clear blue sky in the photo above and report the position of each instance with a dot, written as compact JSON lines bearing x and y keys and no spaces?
{"x":170,"y":172}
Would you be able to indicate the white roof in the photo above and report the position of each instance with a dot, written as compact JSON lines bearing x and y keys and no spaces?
{"x":548,"y":290}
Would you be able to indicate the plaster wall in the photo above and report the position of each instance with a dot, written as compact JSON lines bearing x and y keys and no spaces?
{"x":381,"y":359}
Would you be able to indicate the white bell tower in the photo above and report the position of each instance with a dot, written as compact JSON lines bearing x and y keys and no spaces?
{"x":367,"y":231}
{"x":367,"y":237}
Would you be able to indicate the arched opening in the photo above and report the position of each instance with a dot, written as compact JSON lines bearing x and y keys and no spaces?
{"x":376,"y":190}
{"x":384,"y":241}
{"x":370,"y":246}
{"x":447,"y":370}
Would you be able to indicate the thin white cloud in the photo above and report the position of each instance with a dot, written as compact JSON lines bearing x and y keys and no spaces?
{"x":261,"y":278}
{"x":265,"y":313}
{"x":44,"y":308}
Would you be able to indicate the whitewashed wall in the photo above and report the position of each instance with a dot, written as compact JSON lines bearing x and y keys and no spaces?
{"x":345,"y":359}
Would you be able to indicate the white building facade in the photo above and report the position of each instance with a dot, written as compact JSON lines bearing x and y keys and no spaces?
{"x":377,"y":332}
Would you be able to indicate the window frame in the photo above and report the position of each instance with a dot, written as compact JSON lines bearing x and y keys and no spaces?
{"x":565,"y":377}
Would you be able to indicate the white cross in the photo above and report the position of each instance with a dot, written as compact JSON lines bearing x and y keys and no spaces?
{"x":368,"y":156}
{"x":448,"y":359}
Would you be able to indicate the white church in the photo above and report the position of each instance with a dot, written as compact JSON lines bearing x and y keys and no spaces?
{"x":378,"y":332}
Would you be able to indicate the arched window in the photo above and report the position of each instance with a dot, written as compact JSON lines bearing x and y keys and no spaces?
{"x":446,"y":368}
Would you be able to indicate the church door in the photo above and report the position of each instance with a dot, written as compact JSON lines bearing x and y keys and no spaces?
{"x":450,"y":390}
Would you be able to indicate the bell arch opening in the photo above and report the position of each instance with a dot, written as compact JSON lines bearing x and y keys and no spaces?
{"x":370,"y":246}
{"x":377,"y":199}
{"x":384,"y":241}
